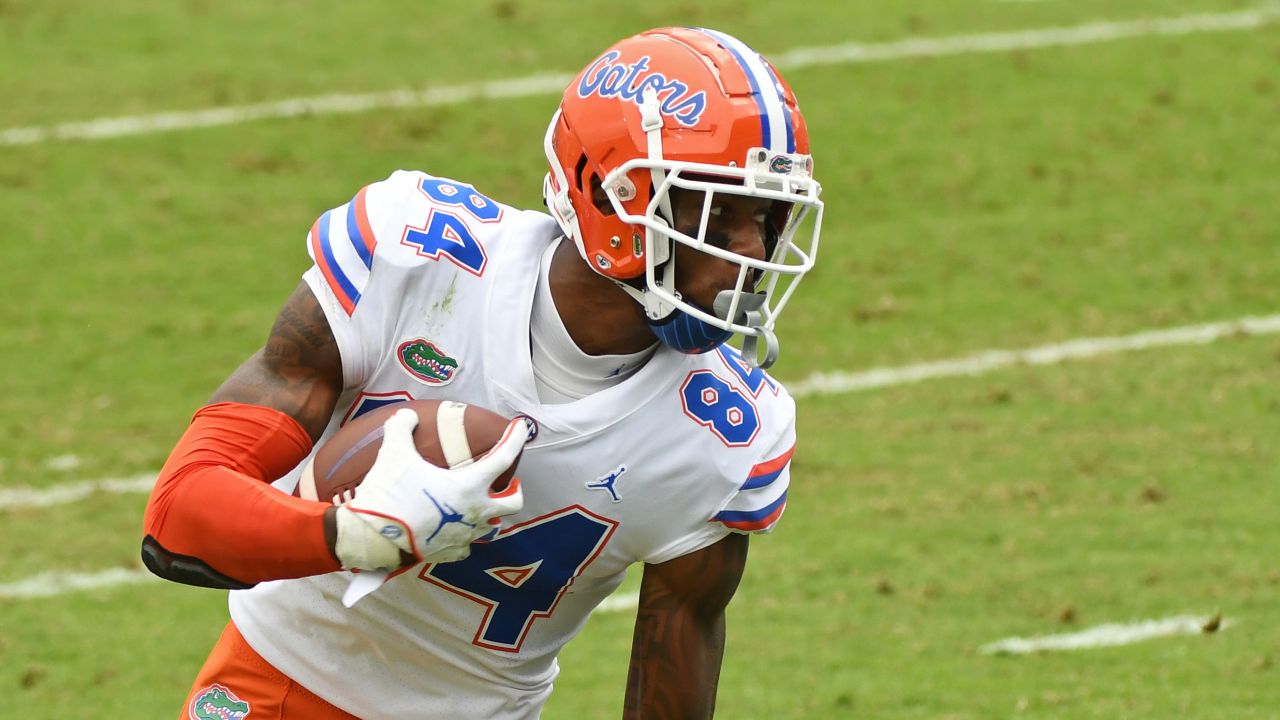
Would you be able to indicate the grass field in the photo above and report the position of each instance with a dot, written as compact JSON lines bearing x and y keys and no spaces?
{"x":974,"y":201}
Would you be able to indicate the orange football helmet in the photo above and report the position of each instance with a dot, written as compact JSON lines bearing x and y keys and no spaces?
{"x":698,"y":110}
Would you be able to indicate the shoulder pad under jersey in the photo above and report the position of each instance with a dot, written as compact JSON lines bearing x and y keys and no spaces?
{"x":407,"y":220}
{"x":761,"y":493}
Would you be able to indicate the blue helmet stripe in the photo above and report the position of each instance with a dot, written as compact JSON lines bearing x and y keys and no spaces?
{"x":791,"y":131}
{"x":775,"y":119}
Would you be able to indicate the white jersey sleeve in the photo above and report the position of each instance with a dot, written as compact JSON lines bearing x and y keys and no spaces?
{"x":742,"y":477}
{"x":368,"y":251}
{"x":344,"y":244}
{"x":760,"y":500}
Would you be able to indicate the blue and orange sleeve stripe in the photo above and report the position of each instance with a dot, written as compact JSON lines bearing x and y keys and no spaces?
{"x":766,"y":472}
{"x":358,"y":228}
{"x":322,"y":252}
{"x":758,"y":491}
{"x":753,"y":520}
{"x":344,"y":251}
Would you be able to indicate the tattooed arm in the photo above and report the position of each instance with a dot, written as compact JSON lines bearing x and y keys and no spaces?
{"x":212,"y":519}
{"x":679,"y":635}
{"x":298,"y":372}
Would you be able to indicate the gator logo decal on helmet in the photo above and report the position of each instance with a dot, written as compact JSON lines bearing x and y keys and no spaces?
{"x":217,"y":702}
{"x":426,"y":362}
{"x":608,"y":78}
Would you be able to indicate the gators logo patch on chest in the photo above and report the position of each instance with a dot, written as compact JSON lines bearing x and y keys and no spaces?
{"x":426,"y":362}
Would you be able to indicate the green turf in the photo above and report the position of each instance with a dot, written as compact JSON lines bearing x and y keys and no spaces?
{"x":75,"y":60}
{"x":975,"y":201}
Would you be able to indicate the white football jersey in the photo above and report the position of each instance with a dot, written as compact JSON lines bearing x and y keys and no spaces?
{"x":428,"y":287}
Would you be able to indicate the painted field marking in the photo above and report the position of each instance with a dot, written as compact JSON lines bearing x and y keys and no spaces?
{"x":984,"y":362}
{"x":29,"y":497}
{"x":551,"y":83}
{"x":63,"y":463}
{"x":51,"y":584}
{"x":1109,"y":635}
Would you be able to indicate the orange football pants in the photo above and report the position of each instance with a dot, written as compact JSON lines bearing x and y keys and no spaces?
{"x":236,"y":682}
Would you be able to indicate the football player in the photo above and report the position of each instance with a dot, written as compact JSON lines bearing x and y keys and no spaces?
{"x":683,"y":211}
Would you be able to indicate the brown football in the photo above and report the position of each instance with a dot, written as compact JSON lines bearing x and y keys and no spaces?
{"x":448,"y":434}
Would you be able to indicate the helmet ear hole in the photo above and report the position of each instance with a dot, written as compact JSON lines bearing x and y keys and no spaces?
{"x":599,"y":198}
{"x":577,"y":171}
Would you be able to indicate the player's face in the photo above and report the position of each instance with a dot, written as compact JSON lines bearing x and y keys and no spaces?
{"x":736,"y":223}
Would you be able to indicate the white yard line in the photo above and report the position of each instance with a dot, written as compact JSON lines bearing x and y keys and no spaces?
{"x":984,"y":362}
{"x":551,"y":83}
{"x":336,"y":104}
{"x":51,"y":584}
{"x":1108,"y":635}
{"x":1087,"y":34}
{"x":29,"y":497}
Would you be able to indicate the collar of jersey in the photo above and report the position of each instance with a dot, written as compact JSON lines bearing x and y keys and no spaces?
{"x":509,"y":363}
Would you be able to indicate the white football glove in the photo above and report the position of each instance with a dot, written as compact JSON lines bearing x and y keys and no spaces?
{"x":407,"y":504}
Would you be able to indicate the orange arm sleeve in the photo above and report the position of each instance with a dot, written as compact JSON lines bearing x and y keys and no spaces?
{"x":212,"y":518}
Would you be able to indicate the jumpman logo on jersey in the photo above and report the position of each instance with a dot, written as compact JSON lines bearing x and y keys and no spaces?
{"x":609,"y":483}
{"x":447,"y":515}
